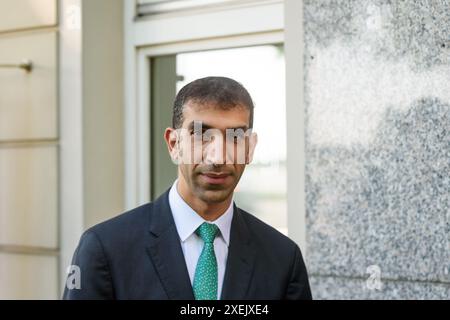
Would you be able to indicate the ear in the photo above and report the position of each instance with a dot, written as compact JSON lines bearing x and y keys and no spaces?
{"x":252,"y":141}
{"x":171,"y":137}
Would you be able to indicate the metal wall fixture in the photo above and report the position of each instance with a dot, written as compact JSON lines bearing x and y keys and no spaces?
{"x":26,"y":65}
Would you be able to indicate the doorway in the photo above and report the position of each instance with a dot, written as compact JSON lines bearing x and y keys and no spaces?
{"x":261,"y":69}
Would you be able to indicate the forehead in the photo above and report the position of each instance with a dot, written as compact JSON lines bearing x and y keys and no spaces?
{"x":214,"y":116}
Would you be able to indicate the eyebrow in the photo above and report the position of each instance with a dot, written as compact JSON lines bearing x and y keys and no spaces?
{"x":206,"y":126}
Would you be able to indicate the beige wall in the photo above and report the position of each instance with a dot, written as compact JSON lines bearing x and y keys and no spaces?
{"x":28,"y":150}
{"x":37,"y":159}
{"x":102,"y":56}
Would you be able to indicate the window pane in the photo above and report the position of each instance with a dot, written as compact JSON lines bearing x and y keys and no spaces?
{"x":262,"y":189}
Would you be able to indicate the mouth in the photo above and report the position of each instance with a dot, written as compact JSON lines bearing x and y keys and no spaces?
{"x":215,"y":177}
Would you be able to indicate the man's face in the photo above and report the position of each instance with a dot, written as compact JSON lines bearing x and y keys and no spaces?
{"x":211,"y":166}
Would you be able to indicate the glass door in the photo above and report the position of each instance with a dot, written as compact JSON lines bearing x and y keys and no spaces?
{"x":261,"y":69}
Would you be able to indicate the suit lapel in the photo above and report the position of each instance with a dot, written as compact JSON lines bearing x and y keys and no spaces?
{"x":240,"y":261}
{"x":166,"y":252}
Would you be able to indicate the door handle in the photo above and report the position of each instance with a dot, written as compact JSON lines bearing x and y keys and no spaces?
{"x":26,"y":65}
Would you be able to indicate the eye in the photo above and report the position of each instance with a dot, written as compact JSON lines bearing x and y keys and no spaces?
{"x":196,"y":133}
{"x":239,"y":137}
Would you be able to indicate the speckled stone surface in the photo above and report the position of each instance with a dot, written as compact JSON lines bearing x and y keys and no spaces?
{"x":377,"y":95}
{"x":332,"y":288}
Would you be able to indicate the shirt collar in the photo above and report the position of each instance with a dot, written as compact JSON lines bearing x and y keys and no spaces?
{"x":187,"y":220}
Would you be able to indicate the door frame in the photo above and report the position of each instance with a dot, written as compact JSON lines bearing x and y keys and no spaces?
{"x":257,"y":23}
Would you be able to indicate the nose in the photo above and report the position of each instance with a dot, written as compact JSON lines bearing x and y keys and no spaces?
{"x":214,"y":151}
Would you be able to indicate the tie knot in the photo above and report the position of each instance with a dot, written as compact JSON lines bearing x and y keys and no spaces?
{"x":207,"y":231}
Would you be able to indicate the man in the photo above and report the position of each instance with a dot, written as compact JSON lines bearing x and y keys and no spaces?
{"x":193,"y":242}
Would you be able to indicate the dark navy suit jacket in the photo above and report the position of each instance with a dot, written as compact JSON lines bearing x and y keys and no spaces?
{"x":138,"y":255}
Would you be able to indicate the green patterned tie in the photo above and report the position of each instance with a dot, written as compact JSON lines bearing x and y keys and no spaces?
{"x":205,"y":279}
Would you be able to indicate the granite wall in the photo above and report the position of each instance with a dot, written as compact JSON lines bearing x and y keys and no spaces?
{"x":377,"y":95}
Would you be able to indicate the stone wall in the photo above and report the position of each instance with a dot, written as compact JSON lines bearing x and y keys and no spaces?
{"x":377,"y":94}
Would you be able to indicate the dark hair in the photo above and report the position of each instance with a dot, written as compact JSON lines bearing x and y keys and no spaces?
{"x":225,"y":92}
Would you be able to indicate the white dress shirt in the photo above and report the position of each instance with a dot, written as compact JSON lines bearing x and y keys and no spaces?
{"x":187,"y":221}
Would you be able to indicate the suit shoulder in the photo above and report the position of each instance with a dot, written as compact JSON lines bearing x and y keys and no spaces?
{"x":134,"y":219}
{"x":265,"y":232}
